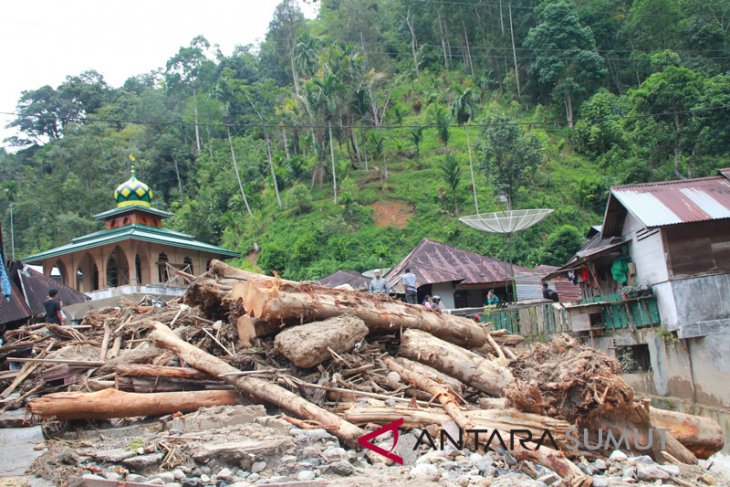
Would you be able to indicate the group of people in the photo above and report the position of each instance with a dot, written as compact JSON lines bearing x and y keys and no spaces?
{"x":378,"y":285}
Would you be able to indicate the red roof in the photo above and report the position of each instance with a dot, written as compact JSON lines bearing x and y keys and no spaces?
{"x":671,"y":202}
{"x":434,"y":262}
{"x":352,"y":278}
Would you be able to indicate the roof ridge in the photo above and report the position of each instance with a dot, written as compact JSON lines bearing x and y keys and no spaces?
{"x":669,"y":183}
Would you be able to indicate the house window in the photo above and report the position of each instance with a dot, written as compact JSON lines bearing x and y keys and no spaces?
{"x":633,"y":359}
{"x":162,"y":273}
{"x":188,"y":267}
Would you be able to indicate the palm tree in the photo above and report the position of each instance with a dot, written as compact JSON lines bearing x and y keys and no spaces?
{"x":326,"y":101}
{"x":463,"y":109}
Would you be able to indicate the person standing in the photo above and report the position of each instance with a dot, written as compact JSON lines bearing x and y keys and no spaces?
{"x":378,"y":285}
{"x":492,"y":299}
{"x":53,"y":308}
{"x":548,"y":293}
{"x":409,"y":284}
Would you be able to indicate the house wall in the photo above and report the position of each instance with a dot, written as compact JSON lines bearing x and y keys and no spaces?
{"x":646,"y":250}
{"x":445,"y":291}
{"x":702,"y":305}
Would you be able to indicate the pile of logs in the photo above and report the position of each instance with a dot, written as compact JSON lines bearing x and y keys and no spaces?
{"x":341,"y":360}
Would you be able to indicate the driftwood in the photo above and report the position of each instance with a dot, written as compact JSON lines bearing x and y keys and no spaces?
{"x":111,"y":403}
{"x":249,"y":328}
{"x":292,"y":303}
{"x":466,"y":366}
{"x":258,"y":388}
{"x":702,"y":436}
{"x":145,"y":370}
{"x":313,"y":343}
{"x":552,"y":459}
{"x":148,"y":384}
{"x":499,"y":419}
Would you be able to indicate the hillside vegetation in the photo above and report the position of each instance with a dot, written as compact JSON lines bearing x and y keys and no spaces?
{"x":341,"y":141}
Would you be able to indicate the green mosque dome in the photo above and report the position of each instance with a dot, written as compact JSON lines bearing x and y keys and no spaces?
{"x":133,"y":192}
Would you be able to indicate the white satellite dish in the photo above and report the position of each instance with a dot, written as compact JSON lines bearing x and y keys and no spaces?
{"x":506,"y":221}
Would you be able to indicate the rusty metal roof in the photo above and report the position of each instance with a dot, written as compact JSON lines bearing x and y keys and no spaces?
{"x":354,"y":279}
{"x":35,"y":286}
{"x":672,"y":202}
{"x":435,"y":262}
{"x":14,"y":310}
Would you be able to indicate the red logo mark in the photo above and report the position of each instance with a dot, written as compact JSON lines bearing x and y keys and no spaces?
{"x":365,"y":441}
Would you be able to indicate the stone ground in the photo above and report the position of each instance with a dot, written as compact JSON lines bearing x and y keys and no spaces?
{"x":241,"y":446}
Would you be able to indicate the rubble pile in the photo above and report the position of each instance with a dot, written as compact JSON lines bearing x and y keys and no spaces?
{"x":253,"y":380}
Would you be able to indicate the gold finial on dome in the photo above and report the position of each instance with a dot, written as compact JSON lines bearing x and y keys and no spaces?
{"x":133,"y":192}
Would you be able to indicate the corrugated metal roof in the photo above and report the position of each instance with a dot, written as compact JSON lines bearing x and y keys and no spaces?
{"x":671,"y":202}
{"x":35,"y":285}
{"x":434,"y":262}
{"x":136,"y":232}
{"x":14,"y":310}
{"x":354,"y":279}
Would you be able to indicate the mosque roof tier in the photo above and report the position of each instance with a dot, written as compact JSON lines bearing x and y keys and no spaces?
{"x":142,"y":233}
{"x":129,"y":208}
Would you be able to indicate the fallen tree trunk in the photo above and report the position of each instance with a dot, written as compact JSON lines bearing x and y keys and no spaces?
{"x":552,"y":459}
{"x":500,"y":419}
{"x":157,"y":384}
{"x":700,"y":435}
{"x":249,"y":328}
{"x":457,"y":362}
{"x":293,"y":303}
{"x":111,"y":403}
{"x":313,"y":343}
{"x":454,"y":384}
{"x":258,"y":388}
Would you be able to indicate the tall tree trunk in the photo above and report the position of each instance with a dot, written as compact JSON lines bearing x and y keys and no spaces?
{"x":501,"y":17}
{"x":294,"y":77}
{"x":514,"y":51}
{"x":443,"y":43}
{"x":271,"y":166}
{"x":414,"y":43}
{"x":286,"y":145}
{"x":197,"y":130}
{"x":238,"y":176}
{"x":365,"y":154}
{"x":353,"y":137}
{"x":179,"y":181}
{"x":332,"y":156}
{"x":468,"y":50}
{"x":569,"y":109}
{"x":677,"y":146}
{"x":471,"y":169}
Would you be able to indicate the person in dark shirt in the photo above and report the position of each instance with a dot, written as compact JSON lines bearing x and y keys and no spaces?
{"x":548,"y":293}
{"x":53,"y":308}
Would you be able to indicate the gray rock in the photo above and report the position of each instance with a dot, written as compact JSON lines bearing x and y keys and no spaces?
{"x":225,"y":474}
{"x":650,"y":472}
{"x":618,"y":456}
{"x":343,"y":469}
{"x":288,"y":459}
{"x":156,"y":481}
{"x":642,"y":459}
{"x":179,"y":474}
{"x":425,"y":471}
{"x":600,"y":465}
{"x":206,"y":470}
{"x":204,"y":477}
{"x":173,"y":484}
{"x":629,"y":472}
{"x":166,"y":477}
{"x":600,"y":481}
{"x":92,"y":476}
{"x":191,"y":482}
{"x":405,"y":450}
{"x":133,"y":477}
{"x":306,"y":475}
{"x":258,"y":467}
{"x":318,"y":434}
{"x":143,"y":461}
{"x":253,"y":477}
{"x":115,"y":455}
{"x":670,"y":469}
{"x":550,"y":479}
{"x":116,"y":477}
{"x":334,"y":454}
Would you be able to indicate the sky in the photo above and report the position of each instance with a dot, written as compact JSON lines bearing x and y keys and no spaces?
{"x":43,"y":41}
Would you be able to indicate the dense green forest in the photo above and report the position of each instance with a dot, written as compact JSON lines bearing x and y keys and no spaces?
{"x":341,"y":141}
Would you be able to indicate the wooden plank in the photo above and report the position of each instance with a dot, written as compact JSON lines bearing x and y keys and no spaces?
{"x":76,"y":363}
{"x":27,"y":369}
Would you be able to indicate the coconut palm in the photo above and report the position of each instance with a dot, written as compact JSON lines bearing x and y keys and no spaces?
{"x":464,"y":109}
